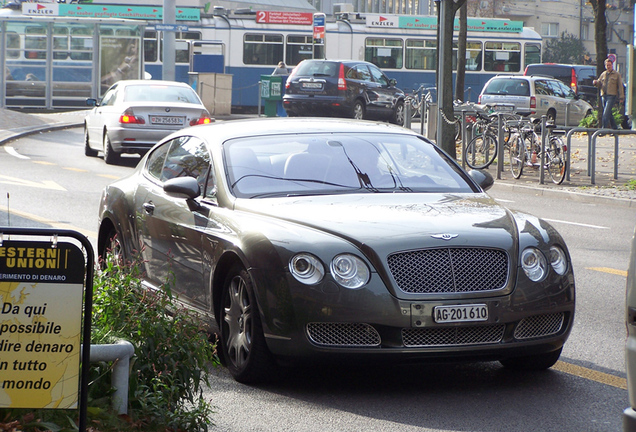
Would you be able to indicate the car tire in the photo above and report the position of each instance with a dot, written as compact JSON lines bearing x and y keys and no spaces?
{"x":88,"y":151}
{"x":110,"y":156}
{"x":243,"y":345}
{"x":532,"y":362}
{"x":399,"y":114}
{"x":551,"y":117}
{"x":359,"y":111}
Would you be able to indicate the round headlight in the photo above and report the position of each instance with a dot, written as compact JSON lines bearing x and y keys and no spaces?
{"x":350,"y":271}
{"x":306,"y":268}
{"x":534,"y":264}
{"x":558,"y":261}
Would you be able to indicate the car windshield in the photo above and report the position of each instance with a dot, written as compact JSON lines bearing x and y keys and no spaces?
{"x":288,"y":165}
{"x":160,"y":93}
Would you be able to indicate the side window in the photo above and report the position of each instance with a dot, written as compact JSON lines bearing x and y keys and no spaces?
{"x":567,"y":91}
{"x":541,"y":88}
{"x":156,"y":159}
{"x":378,"y":76}
{"x":363,"y":73}
{"x":109,"y":97}
{"x":556,"y":88}
{"x":187,"y":157}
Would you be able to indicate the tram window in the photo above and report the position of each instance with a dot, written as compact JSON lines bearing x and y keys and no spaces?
{"x":35,"y":42}
{"x":473,"y":56}
{"x":300,"y":48}
{"x":262,"y":49}
{"x":60,"y":43}
{"x":189,"y":35}
{"x":502,"y":56}
{"x":384,"y":53}
{"x":421,"y":54}
{"x":81,"y":43}
{"x":532,"y":54}
{"x":151,"y":46}
{"x":13,"y":45}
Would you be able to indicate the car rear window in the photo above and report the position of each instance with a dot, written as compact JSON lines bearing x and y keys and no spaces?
{"x":318,"y":69}
{"x":512,"y":87}
{"x":561,"y":73}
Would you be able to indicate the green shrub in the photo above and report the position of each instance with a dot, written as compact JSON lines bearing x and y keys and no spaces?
{"x":591,"y":121}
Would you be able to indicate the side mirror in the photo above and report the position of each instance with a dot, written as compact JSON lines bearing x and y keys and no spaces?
{"x":483,"y":178}
{"x":91,"y":102}
{"x":392,"y":82}
{"x":182,"y":187}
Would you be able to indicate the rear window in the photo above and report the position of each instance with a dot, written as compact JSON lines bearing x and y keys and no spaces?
{"x":512,"y":87}
{"x":318,"y":68}
{"x":562,"y":73}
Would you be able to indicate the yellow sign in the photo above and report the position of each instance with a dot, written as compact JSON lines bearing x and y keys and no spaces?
{"x":41,"y":290}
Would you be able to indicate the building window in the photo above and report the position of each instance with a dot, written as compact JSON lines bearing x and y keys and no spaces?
{"x":550,"y":29}
{"x":585,"y":32}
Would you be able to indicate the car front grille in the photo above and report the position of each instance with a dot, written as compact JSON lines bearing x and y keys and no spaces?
{"x":539,"y":326}
{"x":449,"y":270}
{"x":452,"y":336}
{"x":343,"y":334}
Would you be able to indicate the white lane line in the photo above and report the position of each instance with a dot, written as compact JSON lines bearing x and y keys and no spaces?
{"x":14,"y":153}
{"x":576,"y":223}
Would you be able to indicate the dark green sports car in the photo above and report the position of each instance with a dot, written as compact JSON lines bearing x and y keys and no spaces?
{"x":302,"y":238}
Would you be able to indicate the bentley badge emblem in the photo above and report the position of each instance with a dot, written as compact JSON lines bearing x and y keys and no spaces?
{"x":167,"y":109}
{"x":444,"y":236}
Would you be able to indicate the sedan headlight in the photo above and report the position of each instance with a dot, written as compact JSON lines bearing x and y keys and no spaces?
{"x":306,"y":268}
{"x":534,"y":264}
{"x":350,"y":271}
{"x":558,"y":261}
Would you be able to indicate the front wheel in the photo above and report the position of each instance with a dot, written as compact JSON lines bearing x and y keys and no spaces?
{"x":242,"y":341}
{"x":533,"y":362}
{"x":557,"y":165}
{"x":481,"y":151}
{"x":517,"y":155}
{"x":399,"y":114}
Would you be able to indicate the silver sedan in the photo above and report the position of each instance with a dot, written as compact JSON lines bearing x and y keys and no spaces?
{"x":134,"y":114}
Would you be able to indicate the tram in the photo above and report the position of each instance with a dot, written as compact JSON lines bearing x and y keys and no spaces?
{"x":247,"y":46}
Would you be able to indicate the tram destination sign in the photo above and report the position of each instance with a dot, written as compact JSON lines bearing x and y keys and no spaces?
{"x":41,"y":289}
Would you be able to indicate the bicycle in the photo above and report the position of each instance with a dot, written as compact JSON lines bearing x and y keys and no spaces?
{"x":417,"y":98}
{"x":525,"y":150}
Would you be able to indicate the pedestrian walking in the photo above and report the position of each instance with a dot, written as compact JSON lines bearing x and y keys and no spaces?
{"x":611,"y":85}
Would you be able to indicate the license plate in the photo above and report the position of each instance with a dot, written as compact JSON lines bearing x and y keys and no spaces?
{"x":312,"y":85}
{"x":460,"y":313}
{"x":166,"y":120}
{"x":503,"y":108}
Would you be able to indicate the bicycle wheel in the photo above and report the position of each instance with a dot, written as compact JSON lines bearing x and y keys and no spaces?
{"x":481,"y":151}
{"x":555,"y":160}
{"x":517,"y":155}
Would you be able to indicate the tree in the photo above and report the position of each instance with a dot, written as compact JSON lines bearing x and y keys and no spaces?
{"x":446,"y":139}
{"x":567,"y":49}
{"x":600,"y":37}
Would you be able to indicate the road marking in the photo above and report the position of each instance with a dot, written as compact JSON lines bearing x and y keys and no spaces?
{"x":109,"y":176}
{"x":75,"y":169}
{"x":576,"y":223}
{"x":609,"y":270}
{"x":13,"y":152}
{"x":54,"y":224}
{"x":44,"y":163}
{"x":592,"y":375}
{"x":46,"y":184}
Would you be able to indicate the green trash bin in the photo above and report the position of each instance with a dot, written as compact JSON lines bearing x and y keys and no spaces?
{"x":271,"y":93}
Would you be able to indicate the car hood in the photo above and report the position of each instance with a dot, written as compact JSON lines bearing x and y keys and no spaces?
{"x":401,"y":221}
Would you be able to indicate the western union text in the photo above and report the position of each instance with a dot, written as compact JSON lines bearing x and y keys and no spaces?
{"x":30,"y":257}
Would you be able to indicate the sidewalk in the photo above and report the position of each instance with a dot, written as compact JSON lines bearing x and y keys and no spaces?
{"x":14,"y":124}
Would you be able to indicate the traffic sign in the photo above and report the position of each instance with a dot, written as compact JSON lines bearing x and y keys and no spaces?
{"x":171,"y":27}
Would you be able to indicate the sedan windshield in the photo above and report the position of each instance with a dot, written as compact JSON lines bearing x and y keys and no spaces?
{"x":287,"y":165}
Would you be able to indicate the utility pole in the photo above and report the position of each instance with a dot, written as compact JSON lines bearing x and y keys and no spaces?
{"x":169,"y":37}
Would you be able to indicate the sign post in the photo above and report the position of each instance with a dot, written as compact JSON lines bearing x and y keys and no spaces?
{"x":42,"y":302}
{"x":319,"y":32}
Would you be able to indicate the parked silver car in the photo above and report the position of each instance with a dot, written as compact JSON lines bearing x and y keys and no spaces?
{"x":134,"y":114}
{"x":536,"y":96}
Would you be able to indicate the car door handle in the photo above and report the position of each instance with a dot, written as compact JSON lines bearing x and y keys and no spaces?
{"x":149,"y":207}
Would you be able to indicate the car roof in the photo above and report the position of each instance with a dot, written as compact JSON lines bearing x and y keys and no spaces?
{"x":280,"y":126}
{"x":559,"y":65}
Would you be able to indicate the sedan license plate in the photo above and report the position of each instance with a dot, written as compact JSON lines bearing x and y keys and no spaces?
{"x":504,"y":108}
{"x":311,"y":86}
{"x":460,"y":313}
{"x":166,"y":120}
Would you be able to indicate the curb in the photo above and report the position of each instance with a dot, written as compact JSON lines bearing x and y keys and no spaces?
{"x":13,"y":134}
